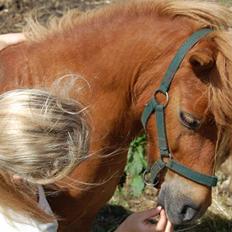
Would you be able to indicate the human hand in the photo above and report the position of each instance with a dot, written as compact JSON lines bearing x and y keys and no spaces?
{"x":10,"y":39}
{"x":139,"y":222}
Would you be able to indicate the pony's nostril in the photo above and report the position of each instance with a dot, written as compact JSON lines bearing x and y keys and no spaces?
{"x":184,"y":210}
{"x":188,"y":213}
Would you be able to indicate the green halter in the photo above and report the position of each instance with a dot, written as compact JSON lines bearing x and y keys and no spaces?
{"x":154,"y":107}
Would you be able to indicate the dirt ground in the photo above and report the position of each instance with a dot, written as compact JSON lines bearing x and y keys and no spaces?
{"x":14,"y":12}
{"x":219,"y":217}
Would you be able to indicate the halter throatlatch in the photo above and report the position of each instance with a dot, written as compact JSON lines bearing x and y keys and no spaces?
{"x":154,"y":107}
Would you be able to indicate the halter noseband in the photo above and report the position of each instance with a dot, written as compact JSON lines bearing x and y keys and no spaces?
{"x":154,"y":107}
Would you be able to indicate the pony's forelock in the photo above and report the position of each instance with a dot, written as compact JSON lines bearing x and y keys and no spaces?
{"x":220,"y":90}
{"x":220,"y":93}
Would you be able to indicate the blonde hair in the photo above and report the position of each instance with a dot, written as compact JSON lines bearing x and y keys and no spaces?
{"x":42,"y":138}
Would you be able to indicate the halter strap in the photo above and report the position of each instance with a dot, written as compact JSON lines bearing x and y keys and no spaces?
{"x":154,"y":107}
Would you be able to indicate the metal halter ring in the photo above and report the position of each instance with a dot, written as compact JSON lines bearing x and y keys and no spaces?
{"x":146,"y":181}
{"x":164,"y":93}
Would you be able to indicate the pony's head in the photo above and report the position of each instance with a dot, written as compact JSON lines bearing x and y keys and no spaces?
{"x":191,"y":136}
{"x":197,"y":111}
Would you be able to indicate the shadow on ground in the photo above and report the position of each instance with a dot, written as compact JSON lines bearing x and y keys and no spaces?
{"x":109,"y":218}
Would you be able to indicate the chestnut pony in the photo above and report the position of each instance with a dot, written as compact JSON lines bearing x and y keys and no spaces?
{"x":122,"y":52}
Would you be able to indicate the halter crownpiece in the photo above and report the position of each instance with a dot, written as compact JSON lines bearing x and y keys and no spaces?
{"x":154,"y":107}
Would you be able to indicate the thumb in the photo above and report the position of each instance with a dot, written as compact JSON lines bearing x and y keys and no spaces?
{"x":150,"y":213}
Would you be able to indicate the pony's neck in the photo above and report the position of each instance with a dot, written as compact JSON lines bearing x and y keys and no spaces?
{"x":120,"y":59}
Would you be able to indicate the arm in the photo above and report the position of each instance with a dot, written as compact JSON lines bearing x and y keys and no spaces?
{"x":10,"y":39}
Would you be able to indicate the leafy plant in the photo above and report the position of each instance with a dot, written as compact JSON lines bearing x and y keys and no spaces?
{"x":136,"y":164}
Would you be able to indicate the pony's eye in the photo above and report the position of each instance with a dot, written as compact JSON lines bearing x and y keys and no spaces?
{"x":189,"y":121}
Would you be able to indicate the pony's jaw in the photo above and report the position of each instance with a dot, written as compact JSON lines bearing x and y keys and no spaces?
{"x":182,"y":202}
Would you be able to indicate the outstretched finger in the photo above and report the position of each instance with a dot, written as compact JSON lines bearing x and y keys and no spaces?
{"x":161,"y":225}
{"x":150,"y":213}
{"x":169,"y":227}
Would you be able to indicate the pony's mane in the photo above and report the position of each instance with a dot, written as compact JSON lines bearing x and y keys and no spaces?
{"x":206,"y":14}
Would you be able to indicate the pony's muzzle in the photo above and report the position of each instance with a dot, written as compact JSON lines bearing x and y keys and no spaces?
{"x":179,"y":206}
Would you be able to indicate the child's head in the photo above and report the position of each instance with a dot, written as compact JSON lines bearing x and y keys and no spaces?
{"x":42,"y":137}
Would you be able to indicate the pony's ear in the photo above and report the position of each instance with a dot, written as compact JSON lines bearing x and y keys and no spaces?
{"x":201,"y":61}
